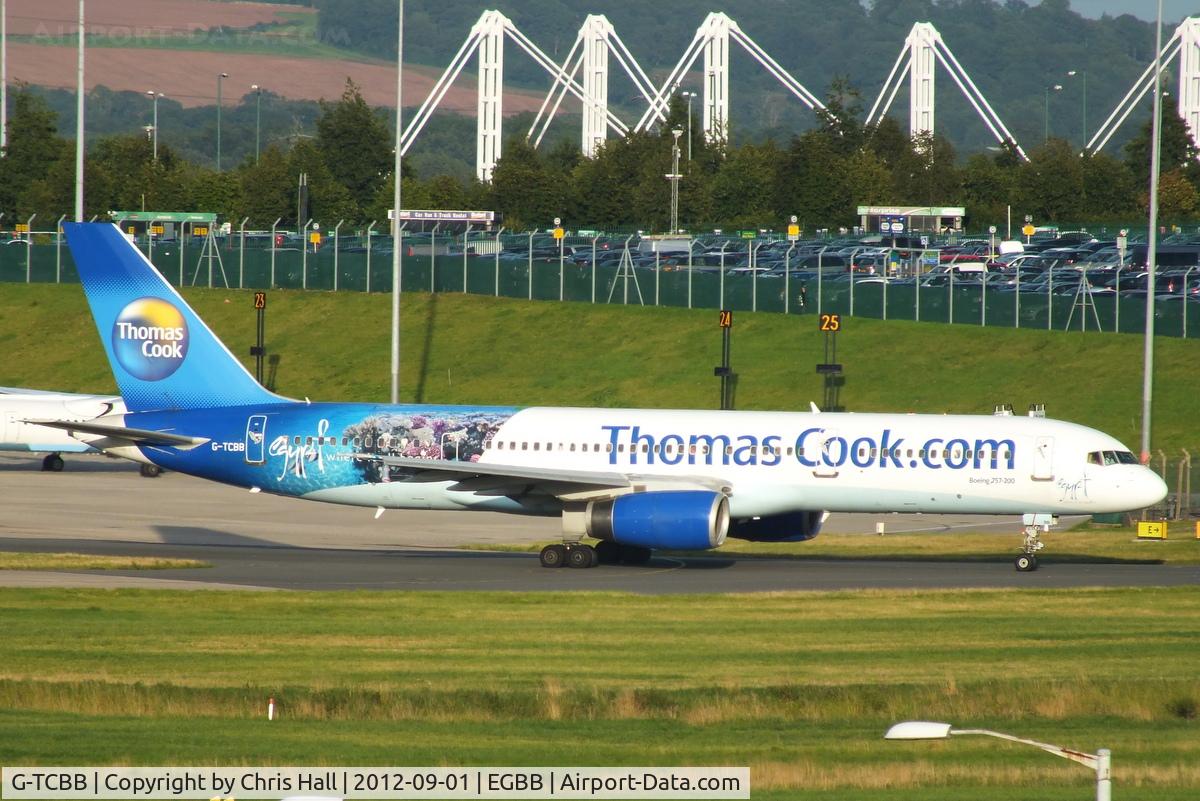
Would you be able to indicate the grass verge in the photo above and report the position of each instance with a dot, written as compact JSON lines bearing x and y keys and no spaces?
{"x":800,"y":686}
{"x":13,"y":560}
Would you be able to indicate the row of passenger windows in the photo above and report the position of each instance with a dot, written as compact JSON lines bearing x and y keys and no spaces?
{"x":1098,"y":457}
{"x":358,"y":442}
{"x":863,"y":453}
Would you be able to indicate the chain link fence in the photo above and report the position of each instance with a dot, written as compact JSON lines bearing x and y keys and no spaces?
{"x":583,"y":270}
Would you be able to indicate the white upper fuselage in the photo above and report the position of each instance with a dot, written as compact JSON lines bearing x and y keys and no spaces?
{"x":775,"y":462}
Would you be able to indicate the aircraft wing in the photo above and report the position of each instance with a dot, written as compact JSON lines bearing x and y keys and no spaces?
{"x":523,"y":479}
{"x":136,"y":436}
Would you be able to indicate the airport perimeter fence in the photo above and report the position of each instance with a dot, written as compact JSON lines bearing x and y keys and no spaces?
{"x":483,"y":267}
{"x":1183,"y":499}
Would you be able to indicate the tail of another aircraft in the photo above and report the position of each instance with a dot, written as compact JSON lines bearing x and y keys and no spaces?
{"x":162,"y":354}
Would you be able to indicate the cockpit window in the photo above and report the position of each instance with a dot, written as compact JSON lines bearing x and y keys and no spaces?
{"x":1111,"y":457}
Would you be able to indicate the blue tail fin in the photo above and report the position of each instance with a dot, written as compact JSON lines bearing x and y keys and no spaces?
{"x":162,"y":355}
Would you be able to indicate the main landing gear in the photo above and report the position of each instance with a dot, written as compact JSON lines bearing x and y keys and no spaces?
{"x":581,"y":555}
{"x":1035,"y":526}
{"x":150,"y":471}
{"x":53,"y":463}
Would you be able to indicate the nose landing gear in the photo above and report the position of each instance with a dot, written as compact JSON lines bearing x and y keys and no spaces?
{"x":1035,"y":525}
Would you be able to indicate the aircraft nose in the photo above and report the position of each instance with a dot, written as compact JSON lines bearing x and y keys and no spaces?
{"x":1149,"y":488}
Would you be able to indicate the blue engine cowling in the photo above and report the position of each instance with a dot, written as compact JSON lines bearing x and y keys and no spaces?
{"x":790,"y":527}
{"x":677,"y":520}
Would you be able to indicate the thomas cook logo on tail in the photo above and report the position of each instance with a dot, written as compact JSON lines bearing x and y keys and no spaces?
{"x":150,"y":339}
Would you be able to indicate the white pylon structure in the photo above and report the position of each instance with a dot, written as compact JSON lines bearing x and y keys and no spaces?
{"x":597,"y":39}
{"x":490,"y":100}
{"x":487,"y":37}
{"x":712,"y":38}
{"x":923,"y":50}
{"x":1185,"y":43}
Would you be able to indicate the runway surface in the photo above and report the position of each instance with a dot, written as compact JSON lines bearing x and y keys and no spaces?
{"x":103,"y":506}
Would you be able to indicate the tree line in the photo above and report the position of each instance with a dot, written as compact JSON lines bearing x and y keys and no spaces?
{"x":819,"y":175}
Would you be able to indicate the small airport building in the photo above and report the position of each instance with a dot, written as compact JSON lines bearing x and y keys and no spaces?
{"x":911,"y":219}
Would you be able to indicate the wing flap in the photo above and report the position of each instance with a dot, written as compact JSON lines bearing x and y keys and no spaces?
{"x":523,"y":473}
{"x":502,"y":479}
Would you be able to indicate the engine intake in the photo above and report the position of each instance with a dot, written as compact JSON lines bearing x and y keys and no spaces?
{"x":676,"y":520}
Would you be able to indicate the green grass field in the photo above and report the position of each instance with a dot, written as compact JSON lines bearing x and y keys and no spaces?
{"x":11,"y":560}
{"x":295,"y":35}
{"x":469,"y":349}
{"x":799,"y":686}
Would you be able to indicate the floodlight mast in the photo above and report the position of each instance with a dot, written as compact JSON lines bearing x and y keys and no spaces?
{"x":674,"y":177}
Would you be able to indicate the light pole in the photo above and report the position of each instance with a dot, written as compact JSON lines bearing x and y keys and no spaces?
{"x":1101,"y":761}
{"x":1152,"y":242}
{"x":220,"y":78}
{"x":155,"y":96}
{"x":3,"y":77}
{"x":1083,"y":77}
{"x":689,"y":96}
{"x":674,"y":179}
{"x":1046,"y":117}
{"x":396,"y":199}
{"x":79,"y":111}
{"x":257,"y":119}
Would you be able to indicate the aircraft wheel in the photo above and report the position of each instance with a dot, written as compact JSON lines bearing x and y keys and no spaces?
{"x":608,"y":553}
{"x":1026,"y":563}
{"x":150,"y":471}
{"x":581,"y":556}
{"x":554,"y":556}
{"x":53,"y":463}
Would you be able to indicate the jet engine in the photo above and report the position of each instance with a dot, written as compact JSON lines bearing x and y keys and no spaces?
{"x":675,"y":520}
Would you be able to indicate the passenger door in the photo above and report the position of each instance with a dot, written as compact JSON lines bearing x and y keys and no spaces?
{"x":256,"y":437}
{"x":1043,"y":459}
{"x":822,"y":470}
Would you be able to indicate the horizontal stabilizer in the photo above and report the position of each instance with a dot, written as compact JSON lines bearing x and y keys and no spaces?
{"x":139,"y":436}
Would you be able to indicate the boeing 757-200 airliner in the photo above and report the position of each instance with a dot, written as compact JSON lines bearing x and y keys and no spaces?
{"x":633,"y":479}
